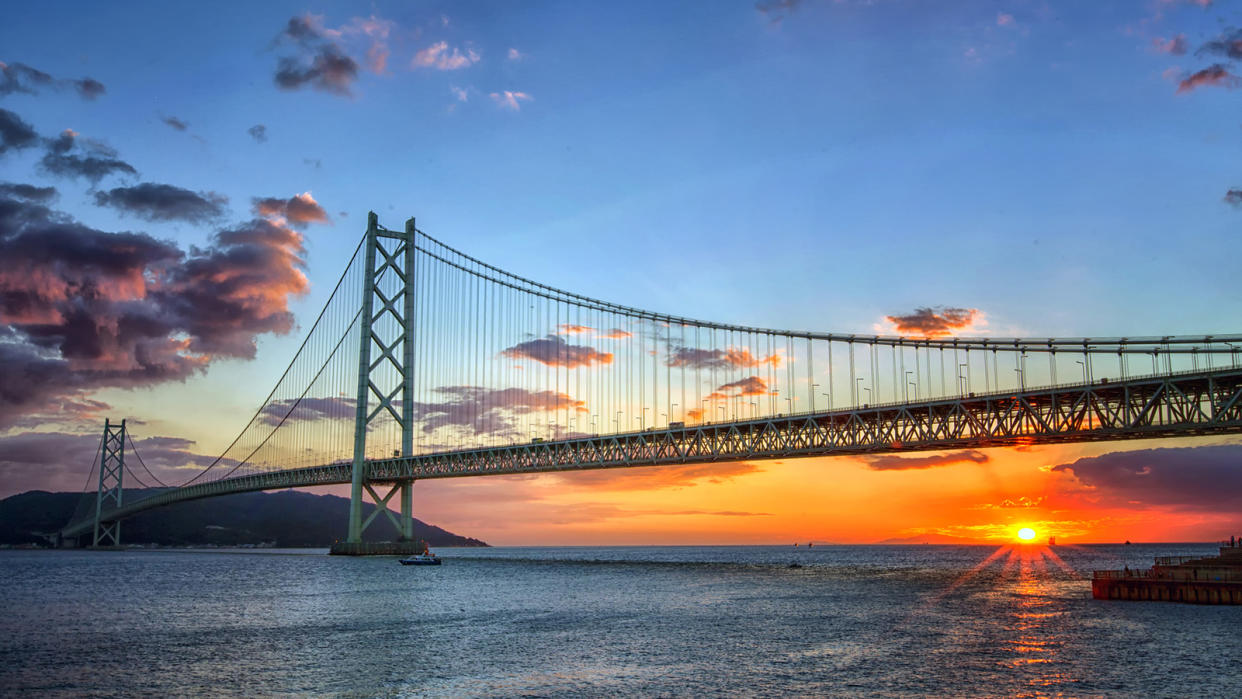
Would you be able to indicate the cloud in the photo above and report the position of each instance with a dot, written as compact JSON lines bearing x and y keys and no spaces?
{"x":510,"y":100}
{"x":322,"y":64}
{"x":777,"y":10}
{"x":299,"y":210}
{"x":515,"y":55}
{"x":489,"y":411}
{"x":15,"y":133}
{"x":98,"y":161}
{"x":1175,"y":46}
{"x":555,"y":351}
{"x":1195,"y":478}
{"x":1228,"y":44}
{"x":175,"y":123}
{"x":1215,"y":75}
{"x":934,"y":322}
{"x":571,"y":329}
{"x":657,"y":477}
{"x":1234,"y":197}
{"x":1004,"y":19}
{"x":58,"y":461}
{"x":164,"y":202}
{"x":19,"y":77}
{"x":82,"y":309}
{"x":374,"y":32}
{"x":749,"y":386}
{"x":258,"y":132}
{"x":28,"y":192}
{"x":616,"y":334}
{"x":308,"y":409}
{"x":329,"y":71}
{"x":440,"y":57}
{"x":695,"y":358}
{"x":889,"y":462}
{"x":460,"y":94}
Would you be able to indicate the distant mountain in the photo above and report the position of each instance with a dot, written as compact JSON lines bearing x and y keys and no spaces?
{"x":288,"y":518}
{"x":932,"y":539}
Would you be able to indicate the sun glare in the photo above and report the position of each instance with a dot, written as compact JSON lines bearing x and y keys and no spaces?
{"x":1026,"y":534}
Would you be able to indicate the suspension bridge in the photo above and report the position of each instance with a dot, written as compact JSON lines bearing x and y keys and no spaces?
{"x":428,"y":363}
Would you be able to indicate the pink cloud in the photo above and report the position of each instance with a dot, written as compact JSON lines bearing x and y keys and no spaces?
{"x":515,"y":55}
{"x":1215,"y":75}
{"x":440,"y":57}
{"x":1175,"y":46}
{"x":1004,"y":19}
{"x":510,"y":100}
{"x":554,"y":351}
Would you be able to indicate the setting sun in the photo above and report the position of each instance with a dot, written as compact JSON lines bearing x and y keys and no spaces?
{"x":1026,"y":534}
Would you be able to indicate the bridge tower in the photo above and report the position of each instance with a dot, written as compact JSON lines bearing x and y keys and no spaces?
{"x":111,"y":483}
{"x":385,"y":372}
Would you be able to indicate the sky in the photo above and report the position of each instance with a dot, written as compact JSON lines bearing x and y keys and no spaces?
{"x":182,"y":185}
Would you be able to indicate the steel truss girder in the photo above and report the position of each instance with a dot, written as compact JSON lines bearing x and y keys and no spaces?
{"x":1198,"y":404}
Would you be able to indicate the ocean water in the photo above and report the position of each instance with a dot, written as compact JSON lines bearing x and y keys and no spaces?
{"x":875,"y":621}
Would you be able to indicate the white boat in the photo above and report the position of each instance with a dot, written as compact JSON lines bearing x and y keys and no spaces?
{"x":421,"y":559}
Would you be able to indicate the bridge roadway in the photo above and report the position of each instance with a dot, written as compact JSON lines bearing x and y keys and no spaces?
{"x":1180,"y":405}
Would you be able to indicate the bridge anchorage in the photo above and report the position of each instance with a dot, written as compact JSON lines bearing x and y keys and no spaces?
{"x":428,"y":363}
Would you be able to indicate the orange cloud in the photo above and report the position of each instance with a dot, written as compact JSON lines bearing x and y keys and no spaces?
{"x":298,"y":210}
{"x":935,"y":322}
{"x":695,"y":358}
{"x":554,"y":351}
{"x":1215,"y":75}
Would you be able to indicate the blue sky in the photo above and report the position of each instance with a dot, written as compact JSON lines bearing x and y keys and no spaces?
{"x":851,"y":160}
{"x":815,"y":165}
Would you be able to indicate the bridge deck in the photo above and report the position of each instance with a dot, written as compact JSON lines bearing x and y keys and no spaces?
{"x":1191,"y":404}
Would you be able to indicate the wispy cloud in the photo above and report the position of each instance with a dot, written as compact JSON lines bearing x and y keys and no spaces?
{"x":94,"y":162}
{"x":555,"y":351}
{"x":175,"y":123}
{"x":1004,"y":19}
{"x":695,"y":358}
{"x":1216,"y":75}
{"x":515,"y":55}
{"x":28,"y":192}
{"x":164,"y":202}
{"x":19,"y":77}
{"x":1228,"y":44}
{"x":1175,"y":46}
{"x":440,"y":57}
{"x":15,"y":133}
{"x":889,"y":462}
{"x":510,"y":100}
